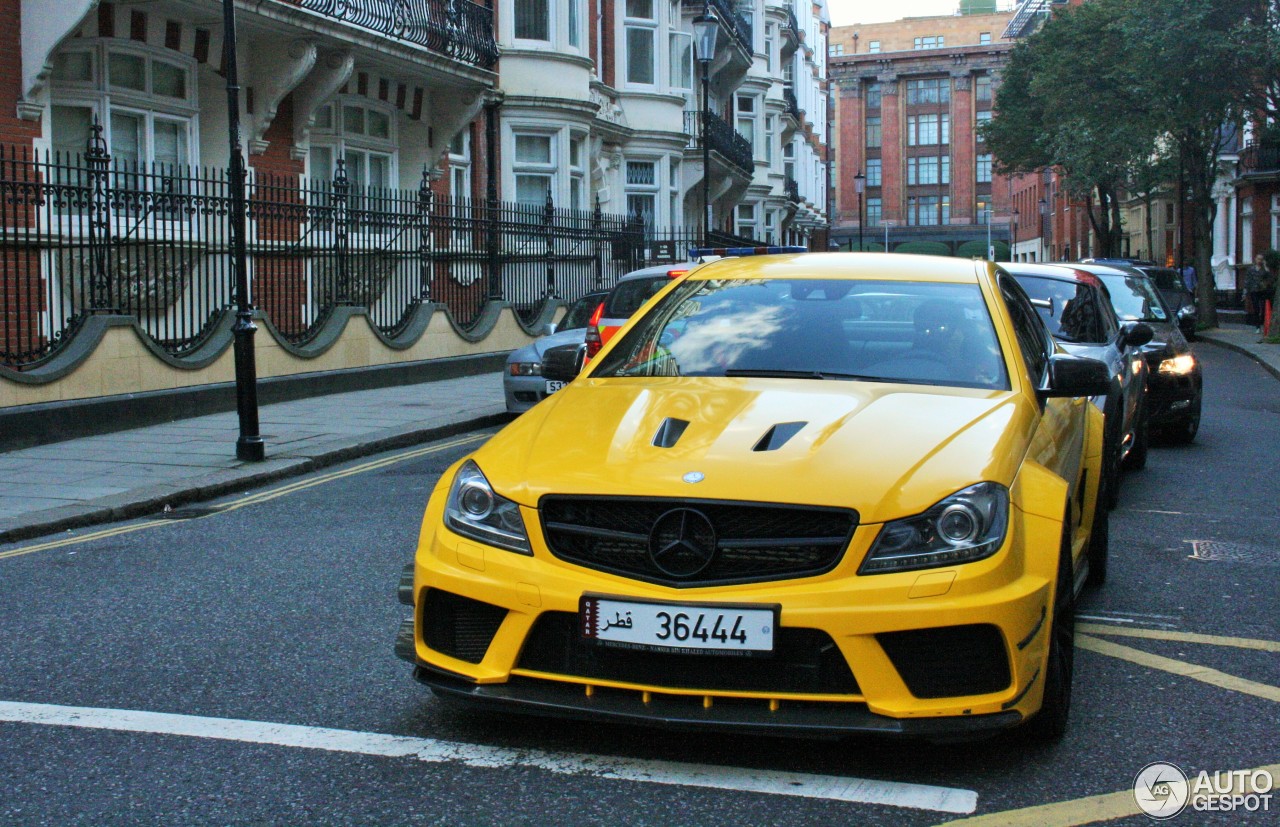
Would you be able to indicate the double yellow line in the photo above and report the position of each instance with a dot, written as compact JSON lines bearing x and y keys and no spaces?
{"x":253,"y":499}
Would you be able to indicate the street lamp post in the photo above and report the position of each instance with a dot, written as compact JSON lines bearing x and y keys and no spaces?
{"x":991,"y":253}
{"x":1045,"y":248}
{"x":860,"y":186}
{"x":249,"y":447}
{"x":1013,"y":235}
{"x":705,"y":29}
{"x":887,"y":224}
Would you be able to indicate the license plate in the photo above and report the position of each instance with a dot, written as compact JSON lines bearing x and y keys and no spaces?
{"x":554,"y":385}
{"x":691,"y":628}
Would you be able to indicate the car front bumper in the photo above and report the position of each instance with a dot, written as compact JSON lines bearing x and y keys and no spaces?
{"x":512,"y":642}
{"x":1172,"y":399}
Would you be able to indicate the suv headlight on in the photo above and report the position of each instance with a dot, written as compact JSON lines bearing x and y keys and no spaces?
{"x":475,"y":511}
{"x":1179,"y":365}
{"x":524,"y":368}
{"x":969,"y":525}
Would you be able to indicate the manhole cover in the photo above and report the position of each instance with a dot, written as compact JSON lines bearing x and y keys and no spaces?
{"x":1234,"y":553}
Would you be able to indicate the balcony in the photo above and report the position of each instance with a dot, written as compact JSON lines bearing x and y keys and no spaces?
{"x":792,"y":188}
{"x":791,"y":35}
{"x":721,"y":138}
{"x":459,"y":29}
{"x":1260,"y":159}
{"x":793,"y":106}
{"x":734,"y":22}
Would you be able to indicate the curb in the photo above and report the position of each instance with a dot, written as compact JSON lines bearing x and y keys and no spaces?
{"x":1268,"y":367}
{"x":143,"y":501}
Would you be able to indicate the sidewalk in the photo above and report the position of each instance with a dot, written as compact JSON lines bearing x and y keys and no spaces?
{"x":127,"y":474}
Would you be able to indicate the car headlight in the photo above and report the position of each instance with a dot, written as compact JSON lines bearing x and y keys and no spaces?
{"x":525,"y":368}
{"x":967,"y":526}
{"x":474,"y":511}
{"x":1179,"y":365}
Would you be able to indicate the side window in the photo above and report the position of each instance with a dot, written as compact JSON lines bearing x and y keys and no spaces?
{"x":1080,"y":322}
{"x":1106,"y":316}
{"x":1028,"y":329}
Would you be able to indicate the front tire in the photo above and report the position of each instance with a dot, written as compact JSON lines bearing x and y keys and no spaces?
{"x":1050,"y":723}
{"x":1099,"y":544}
{"x":1137,"y":459}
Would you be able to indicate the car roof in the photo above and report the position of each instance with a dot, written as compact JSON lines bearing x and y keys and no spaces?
{"x":1062,"y":272}
{"x":1110,"y":269}
{"x":656,"y":270}
{"x":861,"y":266}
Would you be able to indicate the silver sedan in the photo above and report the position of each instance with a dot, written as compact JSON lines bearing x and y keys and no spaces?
{"x":522,"y":381}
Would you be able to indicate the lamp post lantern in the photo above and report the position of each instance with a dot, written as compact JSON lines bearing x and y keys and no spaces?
{"x":860,"y":186}
{"x":249,"y":446}
{"x":705,"y":29}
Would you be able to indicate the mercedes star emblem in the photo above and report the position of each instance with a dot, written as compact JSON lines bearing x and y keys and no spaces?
{"x":682,"y":543}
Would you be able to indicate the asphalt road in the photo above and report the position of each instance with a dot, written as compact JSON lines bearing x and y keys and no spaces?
{"x":277,"y":616}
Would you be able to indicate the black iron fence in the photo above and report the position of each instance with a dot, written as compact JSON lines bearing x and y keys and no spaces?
{"x":459,"y":29}
{"x":1260,"y":158}
{"x":88,"y":234}
{"x":734,"y":20}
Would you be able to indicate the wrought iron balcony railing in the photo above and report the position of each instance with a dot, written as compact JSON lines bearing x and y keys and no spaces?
{"x":722,"y":138}
{"x":1260,"y":158}
{"x":791,"y":29}
{"x":793,"y":190}
{"x":733,"y":20}
{"x":793,"y":105}
{"x":459,"y":29}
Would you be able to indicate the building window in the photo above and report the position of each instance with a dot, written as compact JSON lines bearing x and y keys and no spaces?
{"x":363,"y":136}
{"x":747,"y":220}
{"x":145,"y":99}
{"x":873,"y":95}
{"x":982,"y":84}
{"x":835,"y":49}
{"x":873,"y":47}
{"x":534,"y":168}
{"x":873,"y":133}
{"x":681,"y":60}
{"x":984,"y":38}
{"x":873,"y":172}
{"x":929,"y":169}
{"x":984,"y":168}
{"x":984,"y":211}
{"x":983,"y":118}
{"x":928,"y":130}
{"x":641,"y":32}
{"x":577,"y":171}
{"x":746,"y":120}
{"x":575,"y":23}
{"x":930,"y":42}
{"x":873,"y":211}
{"x":770,"y":130}
{"x":460,"y":165}
{"x":533,"y":20}
{"x":930,"y":90}
{"x":928,"y":210}
{"x":642,"y":190}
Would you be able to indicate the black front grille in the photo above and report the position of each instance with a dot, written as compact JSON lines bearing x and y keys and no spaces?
{"x":754,"y":542}
{"x":949,"y":662}
{"x":803,"y":661}
{"x":458,"y":626}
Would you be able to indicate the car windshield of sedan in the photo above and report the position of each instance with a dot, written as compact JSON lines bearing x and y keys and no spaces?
{"x":580,"y":313}
{"x":1135,"y":298}
{"x":879,"y":331}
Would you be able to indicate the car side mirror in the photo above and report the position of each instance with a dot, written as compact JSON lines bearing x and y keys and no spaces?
{"x":563,"y":363}
{"x":549,"y":329}
{"x":1137,"y":334}
{"x":1075,"y":376}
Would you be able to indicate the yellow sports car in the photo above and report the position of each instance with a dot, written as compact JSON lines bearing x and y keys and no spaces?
{"x":811,"y":494}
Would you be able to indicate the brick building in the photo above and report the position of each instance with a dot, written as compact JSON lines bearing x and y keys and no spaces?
{"x":909,"y":96}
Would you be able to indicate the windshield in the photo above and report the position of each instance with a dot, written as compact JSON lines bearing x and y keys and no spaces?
{"x":881,"y":331}
{"x":1135,"y":298}
{"x":626,"y":298}
{"x":580,"y":313}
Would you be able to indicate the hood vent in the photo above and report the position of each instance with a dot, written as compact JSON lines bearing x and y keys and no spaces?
{"x":777,"y":436}
{"x":669,"y":432}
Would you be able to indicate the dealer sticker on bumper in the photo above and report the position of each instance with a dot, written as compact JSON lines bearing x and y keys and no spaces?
{"x":702,"y":628}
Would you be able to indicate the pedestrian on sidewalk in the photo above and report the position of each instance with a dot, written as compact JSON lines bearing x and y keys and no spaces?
{"x":1189,"y":278}
{"x":1259,"y":285}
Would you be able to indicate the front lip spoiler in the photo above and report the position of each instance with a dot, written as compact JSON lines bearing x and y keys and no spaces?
{"x":549,"y":698}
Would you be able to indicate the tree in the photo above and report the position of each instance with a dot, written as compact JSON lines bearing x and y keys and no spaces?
{"x":1067,"y":101}
{"x":1199,"y":65}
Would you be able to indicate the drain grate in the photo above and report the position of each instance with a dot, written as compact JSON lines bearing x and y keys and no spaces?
{"x":1234,"y":553}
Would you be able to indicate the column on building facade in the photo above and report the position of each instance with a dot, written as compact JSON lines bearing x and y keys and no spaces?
{"x":891,"y":152}
{"x":963,"y":171}
{"x":853,"y":154}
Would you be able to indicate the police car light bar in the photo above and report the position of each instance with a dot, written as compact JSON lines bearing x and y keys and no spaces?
{"x":702,"y":252}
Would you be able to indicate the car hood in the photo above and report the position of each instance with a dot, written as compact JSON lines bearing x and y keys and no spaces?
{"x":887,"y":450}
{"x":533,"y":351}
{"x":1166,"y":340}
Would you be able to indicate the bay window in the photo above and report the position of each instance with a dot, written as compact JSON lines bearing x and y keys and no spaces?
{"x":641,"y":32}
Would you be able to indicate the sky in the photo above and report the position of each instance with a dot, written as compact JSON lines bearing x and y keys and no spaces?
{"x":848,"y":12}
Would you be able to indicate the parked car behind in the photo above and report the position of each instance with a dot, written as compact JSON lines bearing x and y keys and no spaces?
{"x":522,"y":382}
{"x":1175,"y":294}
{"x":1174,"y":382}
{"x":809,"y":494}
{"x":1076,"y":309}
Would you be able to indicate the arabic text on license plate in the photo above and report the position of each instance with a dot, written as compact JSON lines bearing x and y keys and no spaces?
{"x":553,"y":385}
{"x":705,"y":628}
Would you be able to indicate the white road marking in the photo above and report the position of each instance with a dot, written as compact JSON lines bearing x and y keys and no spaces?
{"x":769,"y":782}
{"x":1132,"y":617}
